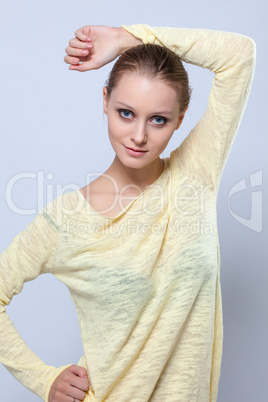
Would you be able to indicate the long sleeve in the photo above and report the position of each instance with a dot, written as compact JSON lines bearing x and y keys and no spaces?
{"x":30,"y":254}
{"x":232,"y":58}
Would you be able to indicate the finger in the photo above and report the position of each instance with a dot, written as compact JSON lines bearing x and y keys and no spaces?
{"x":77,"y":52}
{"x":82,"y":67}
{"x":81,"y":383}
{"x":76,"y":394}
{"x":78,"y":370}
{"x":83,"y":34}
{"x":71,"y":60}
{"x":79,"y":44}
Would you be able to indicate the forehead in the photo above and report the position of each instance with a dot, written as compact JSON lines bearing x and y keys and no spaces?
{"x":142,"y":92}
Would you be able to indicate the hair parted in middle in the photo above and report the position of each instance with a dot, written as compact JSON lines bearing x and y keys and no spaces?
{"x":153,"y":61}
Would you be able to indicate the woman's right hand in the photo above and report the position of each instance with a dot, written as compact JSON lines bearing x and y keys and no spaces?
{"x":96,"y":45}
{"x":71,"y":384}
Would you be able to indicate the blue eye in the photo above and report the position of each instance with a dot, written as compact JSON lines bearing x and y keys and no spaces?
{"x":125,"y":113}
{"x":159,"y":120}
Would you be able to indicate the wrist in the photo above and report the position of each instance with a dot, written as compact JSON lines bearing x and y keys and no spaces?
{"x":127,"y":40}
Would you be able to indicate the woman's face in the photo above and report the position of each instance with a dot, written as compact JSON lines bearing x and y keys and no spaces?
{"x":142,"y":115}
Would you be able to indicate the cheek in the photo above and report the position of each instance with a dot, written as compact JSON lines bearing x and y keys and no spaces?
{"x":117,"y":128}
{"x":112,"y":125}
{"x":162,"y":136}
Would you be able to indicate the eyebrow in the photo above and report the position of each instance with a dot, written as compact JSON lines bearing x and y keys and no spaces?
{"x":156,"y":113}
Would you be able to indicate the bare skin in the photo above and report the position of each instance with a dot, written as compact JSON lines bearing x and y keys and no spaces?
{"x":71,"y":384}
{"x":143,"y":114}
{"x":105,"y":196}
{"x":142,"y":127}
{"x":96,"y":45}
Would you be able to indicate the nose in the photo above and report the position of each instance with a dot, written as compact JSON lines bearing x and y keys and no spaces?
{"x":139,"y":133}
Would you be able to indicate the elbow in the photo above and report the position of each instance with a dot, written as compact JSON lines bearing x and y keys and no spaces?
{"x":250,"y":50}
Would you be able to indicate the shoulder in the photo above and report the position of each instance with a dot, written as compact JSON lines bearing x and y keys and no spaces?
{"x":62,"y":207}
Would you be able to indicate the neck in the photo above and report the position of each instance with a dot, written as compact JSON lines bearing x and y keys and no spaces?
{"x":141,"y":178}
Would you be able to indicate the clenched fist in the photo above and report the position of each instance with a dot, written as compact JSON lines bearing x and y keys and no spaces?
{"x":96,"y":45}
{"x":71,"y":384}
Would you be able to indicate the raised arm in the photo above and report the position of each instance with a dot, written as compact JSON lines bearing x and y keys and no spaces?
{"x":230,"y":56}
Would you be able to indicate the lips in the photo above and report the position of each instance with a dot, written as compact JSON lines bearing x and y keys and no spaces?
{"x":136,"y":150}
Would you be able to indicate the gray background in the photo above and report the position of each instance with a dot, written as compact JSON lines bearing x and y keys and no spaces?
{"x":52,"y":123}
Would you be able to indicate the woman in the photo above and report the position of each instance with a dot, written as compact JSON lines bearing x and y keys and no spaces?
{"x":138,"y":247}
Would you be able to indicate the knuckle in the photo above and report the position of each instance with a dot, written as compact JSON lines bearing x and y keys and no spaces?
{"x":68,"y":377}
{"x":85,"y":382}
{"x":60,"y":387}
{"x":72,"y":42}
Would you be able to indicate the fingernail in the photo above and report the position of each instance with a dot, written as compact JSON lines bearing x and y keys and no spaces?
{"x":89,"y":45}
{"x":89,"y":39}
{"x":84,"y":52}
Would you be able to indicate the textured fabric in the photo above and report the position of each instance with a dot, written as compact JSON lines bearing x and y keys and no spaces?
{"x":145,"y":283}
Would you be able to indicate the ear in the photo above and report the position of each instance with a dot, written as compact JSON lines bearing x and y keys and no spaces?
{"x":105,"y":100}
{"x":181,"y":117}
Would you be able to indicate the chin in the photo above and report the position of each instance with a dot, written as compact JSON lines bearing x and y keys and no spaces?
{"x":134,"y":163}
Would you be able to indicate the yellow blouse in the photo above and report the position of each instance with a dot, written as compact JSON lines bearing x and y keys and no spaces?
{"x":145,"y":283}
